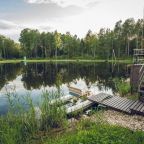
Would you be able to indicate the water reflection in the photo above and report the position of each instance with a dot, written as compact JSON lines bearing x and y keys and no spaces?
{"x":36,"y":77}
{"x":8,"y":72}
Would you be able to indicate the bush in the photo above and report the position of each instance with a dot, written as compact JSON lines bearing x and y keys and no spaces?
{"x":123,"y":87}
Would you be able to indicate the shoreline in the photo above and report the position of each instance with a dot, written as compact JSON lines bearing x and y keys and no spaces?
{"x":127,"y":61}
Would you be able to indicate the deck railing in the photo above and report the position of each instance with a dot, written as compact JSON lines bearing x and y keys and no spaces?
{"x":138,"y":56}
{"x":139,"y":52}
{"x":141,"y":76}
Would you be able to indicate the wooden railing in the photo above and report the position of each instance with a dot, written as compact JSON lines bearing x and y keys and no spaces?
{"x":141,"y":77}
{"x":139,"y":52}
{"x":138,"y":56}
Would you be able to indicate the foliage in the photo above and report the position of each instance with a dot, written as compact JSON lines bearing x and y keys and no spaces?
{"x":92,"y":133}
{"x":123,"y":87}
{"x":18,"y":126}
{"x":104,"y":44}
{"x":8,"y":48}
{"x":23,"y":121}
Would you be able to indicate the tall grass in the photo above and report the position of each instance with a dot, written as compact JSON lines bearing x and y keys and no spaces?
{"x":53,"y":114}
{"x":20,"y":124}
{"x":122,"y":87}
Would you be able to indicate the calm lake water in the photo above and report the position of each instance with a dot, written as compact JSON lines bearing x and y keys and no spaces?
{"x":34,"y":78}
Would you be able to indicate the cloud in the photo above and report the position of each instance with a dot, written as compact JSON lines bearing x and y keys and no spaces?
{"x":64,"y":3}
{"x":92,"y":4}
{"x":4,"y":25}
{"x":36,"y":13}
{"x":10,"y":27}
{"x":44,"y":28}
{"x":12,"y":30}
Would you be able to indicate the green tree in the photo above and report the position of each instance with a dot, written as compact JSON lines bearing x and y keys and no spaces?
{"x":57,"y":42}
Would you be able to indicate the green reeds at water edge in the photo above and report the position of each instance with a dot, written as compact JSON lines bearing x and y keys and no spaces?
{"x":53,"y":114}
{"x":24,"y":120}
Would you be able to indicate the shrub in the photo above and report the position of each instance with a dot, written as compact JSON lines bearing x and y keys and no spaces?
{"x":123,"y":87}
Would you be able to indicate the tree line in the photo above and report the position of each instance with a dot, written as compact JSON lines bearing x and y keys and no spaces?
{"x":105,"y":44}
{"x":8,"y":48}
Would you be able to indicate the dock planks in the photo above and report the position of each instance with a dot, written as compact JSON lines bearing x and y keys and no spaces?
{"x":138,"y":107}
{"x":119,"y":103}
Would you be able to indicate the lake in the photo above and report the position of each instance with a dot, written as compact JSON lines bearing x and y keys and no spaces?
{"x":35,"y":78}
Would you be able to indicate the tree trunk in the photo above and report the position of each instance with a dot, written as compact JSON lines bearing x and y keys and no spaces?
{"x":128,"y":46}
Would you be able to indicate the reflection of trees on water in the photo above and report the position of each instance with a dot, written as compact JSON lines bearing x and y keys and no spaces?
{"x":8,"y":72}
{"x":36,"y":75}
{"x":44,"y":74}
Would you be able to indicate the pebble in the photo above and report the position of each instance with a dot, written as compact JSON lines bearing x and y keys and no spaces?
{"x":133,"y":122}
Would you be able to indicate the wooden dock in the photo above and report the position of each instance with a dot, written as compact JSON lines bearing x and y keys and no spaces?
{"x":118,"y":103}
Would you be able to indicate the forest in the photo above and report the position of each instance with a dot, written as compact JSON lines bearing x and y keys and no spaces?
{"x":105,"y":44}
{"x":8,"y":48}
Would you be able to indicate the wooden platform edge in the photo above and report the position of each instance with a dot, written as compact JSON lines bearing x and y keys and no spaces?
{"x":118,"y":103}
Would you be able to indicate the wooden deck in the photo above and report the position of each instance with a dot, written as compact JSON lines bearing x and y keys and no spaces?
{"x":119,"y":103}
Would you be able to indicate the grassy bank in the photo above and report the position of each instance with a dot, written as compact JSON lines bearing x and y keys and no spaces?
{"x":129,"y":61}
{"x":88,"y":132}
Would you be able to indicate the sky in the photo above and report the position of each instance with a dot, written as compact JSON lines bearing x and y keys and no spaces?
{"x":74,"y":16}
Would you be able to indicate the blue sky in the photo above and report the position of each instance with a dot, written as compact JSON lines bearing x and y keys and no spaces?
{"x":10,"y":5}
{"x":75,"y":16}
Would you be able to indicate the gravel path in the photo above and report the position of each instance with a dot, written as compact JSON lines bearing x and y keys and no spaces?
{"x":134,"y":122}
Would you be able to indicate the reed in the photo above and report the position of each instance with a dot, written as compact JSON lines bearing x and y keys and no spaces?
{"x":20,"y":124}
{"x":53,"y":114}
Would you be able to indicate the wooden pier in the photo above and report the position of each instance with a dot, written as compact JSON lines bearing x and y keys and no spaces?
{"x":119,"y":103}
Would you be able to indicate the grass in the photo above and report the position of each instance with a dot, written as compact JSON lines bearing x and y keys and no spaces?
{"x":134,"y":96}
{"x":64,"y":60}
{"x":88,"y":132}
